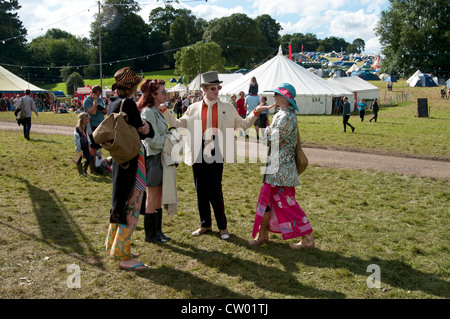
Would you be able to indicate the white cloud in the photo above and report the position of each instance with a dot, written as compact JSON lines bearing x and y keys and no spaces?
{"x":38,"y":17}
{"x":341,"y":18}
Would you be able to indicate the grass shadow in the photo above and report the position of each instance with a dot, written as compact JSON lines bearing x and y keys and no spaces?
{"x":57,"y":226}
{"x":266,"y":277}
{"x":192,"y":286}
{"x":394,"y":273}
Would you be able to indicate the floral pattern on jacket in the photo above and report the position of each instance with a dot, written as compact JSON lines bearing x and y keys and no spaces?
{"x":282,"y":137}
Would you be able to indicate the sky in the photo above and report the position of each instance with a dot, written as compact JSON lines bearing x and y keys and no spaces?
{"x":347,"y":19}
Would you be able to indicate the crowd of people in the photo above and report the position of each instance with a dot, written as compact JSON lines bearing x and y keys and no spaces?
{"x":139,"y":188}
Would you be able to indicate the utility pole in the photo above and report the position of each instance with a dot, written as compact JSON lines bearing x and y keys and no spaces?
{"x":100,"y":45}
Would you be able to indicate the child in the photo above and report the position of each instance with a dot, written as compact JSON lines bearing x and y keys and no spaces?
{"x":82,"y":142}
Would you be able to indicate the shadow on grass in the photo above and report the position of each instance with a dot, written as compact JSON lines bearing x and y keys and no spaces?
{"x":59,"y":230}
{"x":394,"y":273}
{"x":266,"y":277}
{"x":194,"y":286}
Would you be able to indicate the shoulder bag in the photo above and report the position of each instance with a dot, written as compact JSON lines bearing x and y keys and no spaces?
{"x":118,"y":137}
{"x":301,"y":160}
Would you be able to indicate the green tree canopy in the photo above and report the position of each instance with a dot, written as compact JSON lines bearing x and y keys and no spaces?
{"x":74,"y":81}
{"x":415,"y":34}
{"x":240,"y":36}
{"x":187,"y":60}
{"x":12,"y":34}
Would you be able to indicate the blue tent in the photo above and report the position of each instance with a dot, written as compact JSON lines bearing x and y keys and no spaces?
{"x":390,"y":78}
{"x":365,"y":75}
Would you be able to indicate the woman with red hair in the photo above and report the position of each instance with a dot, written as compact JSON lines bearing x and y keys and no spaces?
{"x":153,"y":94}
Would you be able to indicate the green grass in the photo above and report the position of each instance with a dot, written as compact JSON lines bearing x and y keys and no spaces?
{"x":52,"y":218}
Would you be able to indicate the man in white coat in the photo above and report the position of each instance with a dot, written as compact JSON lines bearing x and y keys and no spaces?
{"x":210,"y":142}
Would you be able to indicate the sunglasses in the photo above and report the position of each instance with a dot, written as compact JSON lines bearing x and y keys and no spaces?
{"x":213,"y":88}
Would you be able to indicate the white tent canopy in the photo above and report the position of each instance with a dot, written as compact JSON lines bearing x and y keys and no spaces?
{"x":362,"y":88}
{"x":314,"y":94}
{"x":11,"y":83}
{"x":226,"y":78}
{"x":178,"y":88}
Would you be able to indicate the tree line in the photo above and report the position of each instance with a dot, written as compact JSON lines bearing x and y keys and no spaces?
{"x":414,"y":34}
{"x":242,"y":41}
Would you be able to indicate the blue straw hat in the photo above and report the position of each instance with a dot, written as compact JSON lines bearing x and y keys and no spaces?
{"x":288,"y":91}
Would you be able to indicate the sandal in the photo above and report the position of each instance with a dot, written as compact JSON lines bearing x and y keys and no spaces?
{"x":136,"y":267}
{"x":306,"y":242}
{"x":224,"y":234}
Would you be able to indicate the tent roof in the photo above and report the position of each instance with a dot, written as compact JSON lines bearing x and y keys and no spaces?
{"x":11,"y":83}
{"x":226,"y":78}
{"x":177,"y":88}
{"x":282,"y":70}
{"x":353,"y":84}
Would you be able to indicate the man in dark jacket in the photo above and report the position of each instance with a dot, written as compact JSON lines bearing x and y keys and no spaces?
{"x":346,"y":115}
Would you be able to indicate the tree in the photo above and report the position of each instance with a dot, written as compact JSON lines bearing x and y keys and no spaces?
{"x":74,"y":81}
{"x":124,"y":36}
{"x":187,"y":60}
{"x":12,"y":34}
{"x":359,"y":44}
{"x":270,"y":29}
{"x":175,"y":28}
{"x":240,"y":37}
{"x":56,"y":48}
{"x":415,"y":34}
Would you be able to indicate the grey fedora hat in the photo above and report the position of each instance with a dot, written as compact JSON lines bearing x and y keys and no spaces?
{"x":211,"y":77}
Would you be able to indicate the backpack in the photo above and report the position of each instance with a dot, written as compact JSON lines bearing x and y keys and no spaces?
{"x":121,"y":139}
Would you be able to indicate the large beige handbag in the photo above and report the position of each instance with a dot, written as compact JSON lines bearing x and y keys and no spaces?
{"x":115,"y":135}
{"x":300,"y":157}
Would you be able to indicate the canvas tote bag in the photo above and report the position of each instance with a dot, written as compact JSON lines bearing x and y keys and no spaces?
{"x":300,"y":157}
{"x":115,"y":135}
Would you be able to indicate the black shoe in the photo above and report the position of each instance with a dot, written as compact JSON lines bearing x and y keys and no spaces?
{"x":353,"y":129}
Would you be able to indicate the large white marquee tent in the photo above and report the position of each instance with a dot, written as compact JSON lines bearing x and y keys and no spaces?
{"x":314,"y":94}
{"x":11,"y":83}
{"x":226,"y":78}
{"x":359,"y":87}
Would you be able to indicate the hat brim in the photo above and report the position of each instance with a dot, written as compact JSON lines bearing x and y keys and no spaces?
{"x":210,"y":83}
{"x":292,"y":101}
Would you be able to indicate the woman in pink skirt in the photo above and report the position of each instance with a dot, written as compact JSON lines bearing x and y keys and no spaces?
{"x":277,"y":210}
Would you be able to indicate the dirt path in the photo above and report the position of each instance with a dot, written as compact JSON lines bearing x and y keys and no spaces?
{"x":321,"y":157}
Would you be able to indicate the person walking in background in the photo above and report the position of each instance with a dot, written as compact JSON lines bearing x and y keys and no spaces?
{"x":128,"y":182}
{"x":362,"y":109}
{"x":27,"y":105}
{"x":346,"y":115}
{"x":375,"y":108}
{"x":277,"y":210}
{"x":233,"y":101}
{"x":154,"y":95}
{"x":252,"y":100}
{"x":178,"y":107}
{"x":263,"y":116}
{"x":96,"y":109}
{"x":82,"y":143}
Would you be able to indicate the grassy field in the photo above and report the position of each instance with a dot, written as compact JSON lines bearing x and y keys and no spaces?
{"x":51,"y":218}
